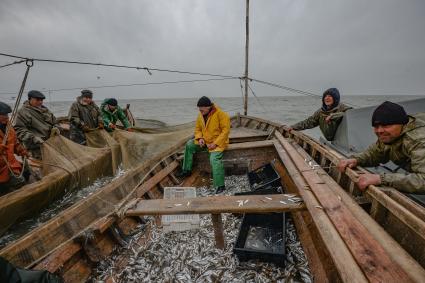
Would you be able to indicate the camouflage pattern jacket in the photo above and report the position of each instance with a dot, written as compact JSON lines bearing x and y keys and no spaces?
{"x":407,"y":151}
{"x":318,"y":119}
{"x":84,"y":115}
{"x":33,"y":122}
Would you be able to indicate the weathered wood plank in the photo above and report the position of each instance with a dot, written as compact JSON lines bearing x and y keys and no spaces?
{"x":154,"y":180}
{"x":218,"y":231}
{"x":246,"y":145}
{"x":364,"y":247}
{"x":319,"y":260}
{"x":217,"y":204}
{"x":54,"y":261}
{"x":347,"y":269}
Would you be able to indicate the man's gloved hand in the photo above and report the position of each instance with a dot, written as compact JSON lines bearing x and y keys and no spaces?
{"x":23,"y":152}
{"x":38,"y":140}
{"x":111,"y":126}
{"x":101,"y":126}
{"x":55,"y":132}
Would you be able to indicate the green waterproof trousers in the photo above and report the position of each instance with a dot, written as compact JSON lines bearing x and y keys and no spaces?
{"x":216,"y":162}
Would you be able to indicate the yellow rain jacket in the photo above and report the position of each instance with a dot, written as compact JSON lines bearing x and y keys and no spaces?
{"x":215,"y":130}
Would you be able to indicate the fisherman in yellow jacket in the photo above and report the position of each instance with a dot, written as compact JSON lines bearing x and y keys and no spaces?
{"x":212,"y":135}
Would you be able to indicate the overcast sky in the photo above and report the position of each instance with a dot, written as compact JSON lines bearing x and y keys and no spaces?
{"x":359,"y":46}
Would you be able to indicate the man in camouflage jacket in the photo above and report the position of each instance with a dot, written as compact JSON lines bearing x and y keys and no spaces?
{"x":35,"y":123}
{"x":84,"y":115}
{"x":328,"y":117}
{"x":401,"y":139}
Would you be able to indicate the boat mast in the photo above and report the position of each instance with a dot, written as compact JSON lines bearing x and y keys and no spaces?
{"x":246,"y":58}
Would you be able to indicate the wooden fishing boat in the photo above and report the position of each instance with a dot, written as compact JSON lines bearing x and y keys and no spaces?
{"x":57,"y":179}
{"x":347,"y":235}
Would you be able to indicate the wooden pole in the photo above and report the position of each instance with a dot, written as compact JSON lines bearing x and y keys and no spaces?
{"x":246,"y":59}
{"x":218,"y":231}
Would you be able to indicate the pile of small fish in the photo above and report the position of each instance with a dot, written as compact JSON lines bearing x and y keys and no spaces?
{"x":191,"y":256}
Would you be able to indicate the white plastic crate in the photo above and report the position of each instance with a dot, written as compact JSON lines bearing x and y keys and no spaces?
{"x":180,"y":222}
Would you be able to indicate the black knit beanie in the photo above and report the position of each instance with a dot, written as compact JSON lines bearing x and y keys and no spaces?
{"x":112,"y":102}
{"x":204,"y":102}
{"x":87,"y":93}
{"x":4,"y":108}
{"x":389,"y":113}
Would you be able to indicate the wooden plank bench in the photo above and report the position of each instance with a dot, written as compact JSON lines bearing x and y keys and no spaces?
{"x":215,"y":205}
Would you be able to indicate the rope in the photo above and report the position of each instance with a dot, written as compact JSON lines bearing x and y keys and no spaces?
{"x":12,"y":118}
{"x":302,"y":92}
{"x":11,"y":170}
{"x":258,"y":100}
{"x":118,"y":66}
{"x":13,"y":63}
{"x":129,"y":85}
{"x":18,"y":101}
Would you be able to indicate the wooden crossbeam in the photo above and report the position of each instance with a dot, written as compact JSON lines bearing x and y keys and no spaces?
{"x":217,"y":204}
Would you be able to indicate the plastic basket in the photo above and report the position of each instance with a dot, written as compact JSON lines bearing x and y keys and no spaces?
{"x":268,"y":242}
{"x":263,"y":177}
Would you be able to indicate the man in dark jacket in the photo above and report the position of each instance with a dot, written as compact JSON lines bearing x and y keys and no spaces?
{"x":401,"y":139}
{"x":328,"y":117}
{"x":35,"y":123}
{"x":84,"y":115}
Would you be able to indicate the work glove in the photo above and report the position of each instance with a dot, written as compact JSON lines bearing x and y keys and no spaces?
{"x":86,"y":129}
{"x":101,"y":126}
{"x":23,"y":152}
{"x":55,"y":132}
{"x":38,"y":140}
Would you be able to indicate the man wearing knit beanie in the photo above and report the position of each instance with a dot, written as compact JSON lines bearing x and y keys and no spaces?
{"x":401,"y":139}
{"x":211,"y":135}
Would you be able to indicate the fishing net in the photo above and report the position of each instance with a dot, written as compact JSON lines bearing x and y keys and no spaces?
{"x":84,"y":163}
{"x":143,"y":144}
{"x":68,"y":166}
{"x":102,"y":139}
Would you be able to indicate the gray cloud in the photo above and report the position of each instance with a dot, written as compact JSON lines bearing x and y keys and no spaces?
{"x":361,"y":47}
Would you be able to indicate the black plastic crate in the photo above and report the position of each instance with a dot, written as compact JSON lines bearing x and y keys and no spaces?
{"x":265,"y":176}
{"x":262,"y":237}
{"x":269,"y":190}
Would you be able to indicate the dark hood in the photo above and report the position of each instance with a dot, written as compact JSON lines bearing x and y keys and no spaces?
{"x":334,"y":92}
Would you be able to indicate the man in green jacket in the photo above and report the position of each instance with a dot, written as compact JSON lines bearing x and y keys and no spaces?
{"x":328,"y":117}
{"x":111,"y":113}
{"x":401,"y":139}
{"x":35,"y":123}
{"x":84,"y":115}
